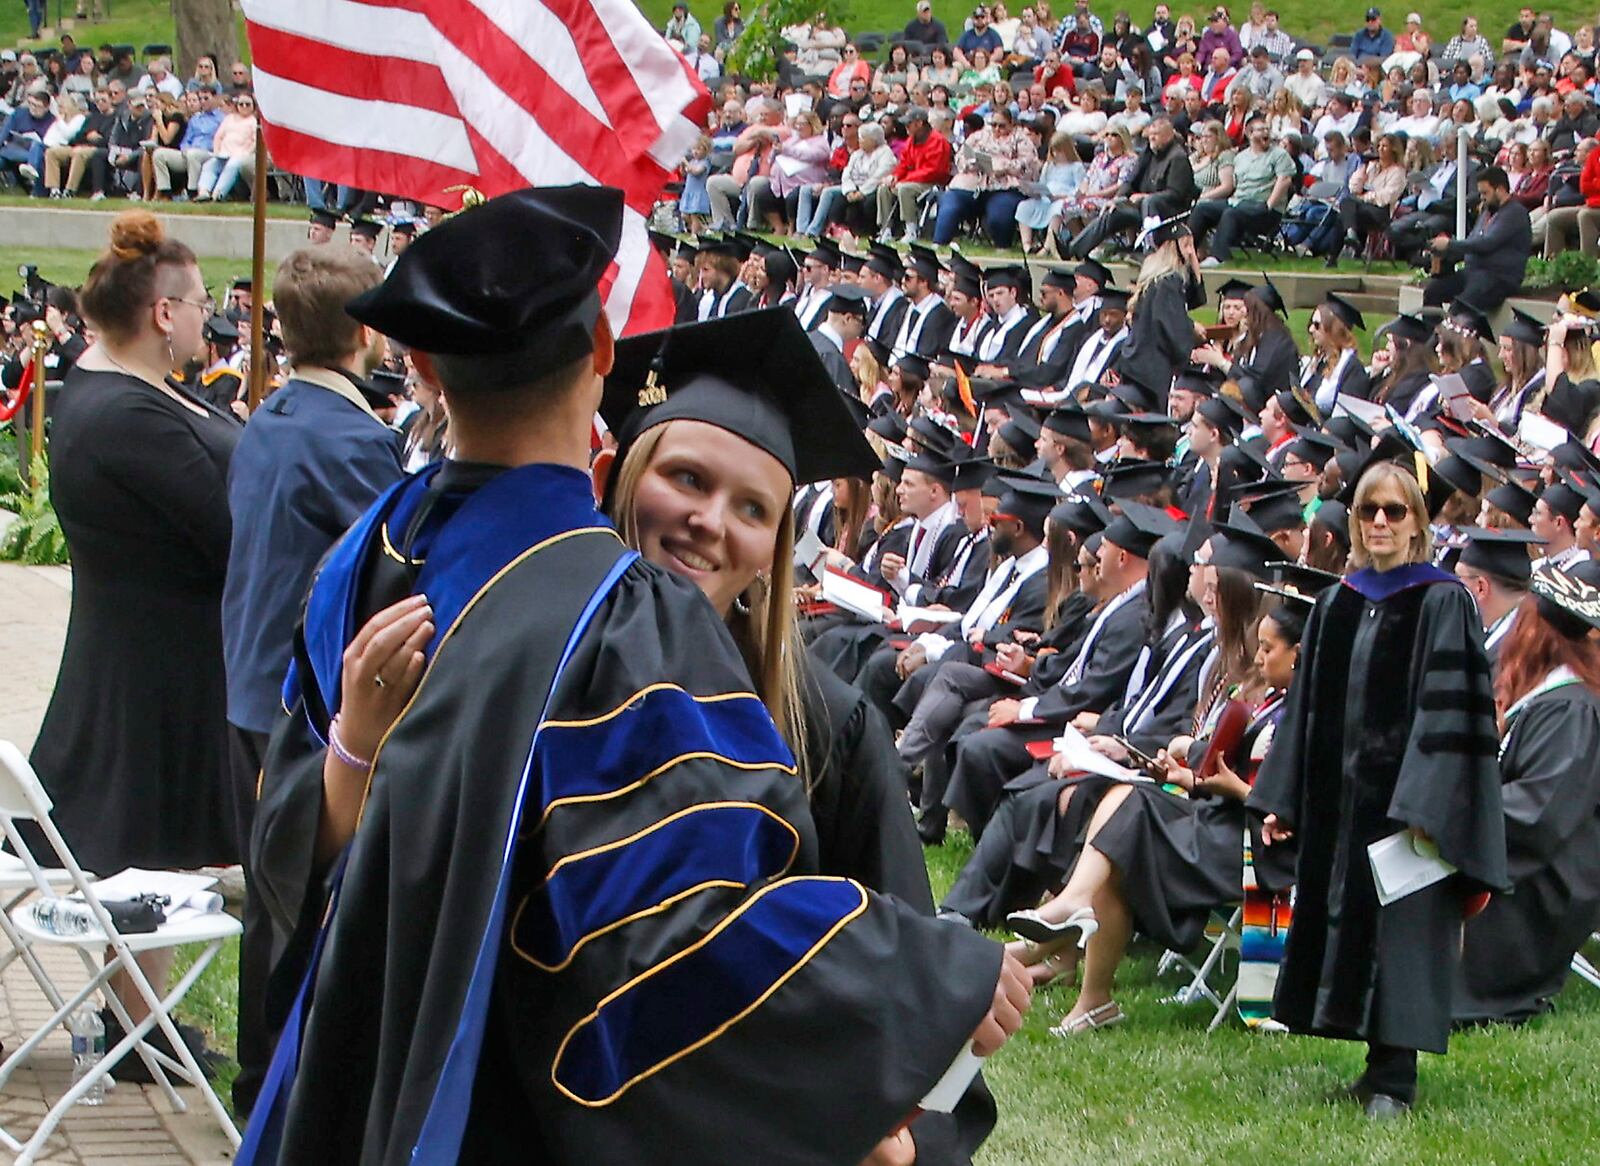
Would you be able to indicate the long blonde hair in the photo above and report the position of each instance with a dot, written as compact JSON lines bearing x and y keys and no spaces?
{"x":766,"y":627}
{"x":1163,"y":261}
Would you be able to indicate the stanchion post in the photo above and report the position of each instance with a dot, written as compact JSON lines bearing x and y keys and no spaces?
{"x":258,"y":289}
{"x":41,"y":345}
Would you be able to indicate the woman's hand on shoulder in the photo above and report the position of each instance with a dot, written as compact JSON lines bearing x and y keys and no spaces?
{"x":382,"y":668}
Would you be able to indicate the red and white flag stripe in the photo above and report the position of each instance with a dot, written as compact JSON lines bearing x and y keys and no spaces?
{"x":410,"y":97}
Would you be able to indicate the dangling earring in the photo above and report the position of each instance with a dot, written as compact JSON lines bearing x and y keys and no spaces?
{"x":741,"y":605}
{"x":172,"y":357}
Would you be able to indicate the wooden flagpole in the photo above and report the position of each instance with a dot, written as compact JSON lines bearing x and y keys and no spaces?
{"x":258,"y":275}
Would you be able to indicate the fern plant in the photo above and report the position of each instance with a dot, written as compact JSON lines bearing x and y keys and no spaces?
{"x":34,"y":536}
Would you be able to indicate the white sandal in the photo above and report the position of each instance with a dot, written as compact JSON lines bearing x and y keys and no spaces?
{"x":1034,"y":926}
{"x":1102,"y":1017}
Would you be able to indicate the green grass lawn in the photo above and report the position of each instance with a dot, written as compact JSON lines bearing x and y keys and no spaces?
{"x":70,"y":268}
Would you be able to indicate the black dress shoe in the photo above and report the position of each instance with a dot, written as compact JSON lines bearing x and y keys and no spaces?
{"x":1382,"y":1107}
{"x":931,"y":827}
{"x":1357,"y":1091}
{"x":132,"y":1067}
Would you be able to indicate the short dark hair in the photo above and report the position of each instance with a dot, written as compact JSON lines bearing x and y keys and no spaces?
{"x":1494,"y":176}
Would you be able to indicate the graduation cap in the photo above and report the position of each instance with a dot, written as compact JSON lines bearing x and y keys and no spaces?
{"x":1139,"y":527}
{"x":754,"y":374}
{"x":925,"y":263}
{"x":1197,"y":378}
{"x":466,"y":289}
{"x":1573,"y":455}
{"x":1060,"y":279}
{"x":885,"y":260}
{"x":1024,"y":420}
{"x":1487,"y":444}
{"x":828,"y":254}
{"x":851,"y":264}
{"x":1465,"y":319}
{"x":1459,"y":473}
{"x":1132,"y":396}
{"x":1267,"y":292}
{"x":1408,"y":327}
{"x":1245,"y":463}
{"x":996,"y":394}
{"x":931,"y":435}
{"x":1335,"y":515}
{"x":1570,"y":404}
{"x":1011,"y":275}
{"x":323,"y":219}
{"x":1297,"y":407}
{"x":220,"y":328}
{"x":1568,"y":599}
{"x":1234,"y":289}
{"x":1224,"y":414}
{"x":1029,"y":501}
{"x":939,"y":468}
{"x":383,"y":386}
{"x":408,"y":228}
{"x":961,"y":266}
{"x":1563,"y":499}
{"x":745,"y":244}
{"x":890,"y":426}
{"x":1240,"y":544}
{"x":1345,"y":310}
{"x":910,"y":362}
{"x":243,"y":283}
{"x":1312,"y":446}
{"x":1501,"y":553}
{"x":1513,"y":500}
{"x":1525,"y":329}
{"x":1069,"y":421}
{"x":1292,"y":581}
{"x":1115,"y":298}
{"x":1164,"y":231}
{"x":366,"y":229}
{"x":1094,"y":271}
{"x":709,"y":244}
{"x":848,"y":299}
{"x":1132,"y":478}
{"x":1145,"y":425}
{"x":893,"y":466}
{"x":973,"y":473}
{"x":1585,"y":302}
{"x":1350,"y":429}
{"x":1083,"y":516}
{"x":1273,"y":506}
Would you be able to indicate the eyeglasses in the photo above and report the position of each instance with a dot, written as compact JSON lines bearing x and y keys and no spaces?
{"x":207,"y":305}
{"x":1393,"y":511}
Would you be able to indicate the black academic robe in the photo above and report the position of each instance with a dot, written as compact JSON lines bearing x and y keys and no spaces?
{"x":937,"y":329}
{"x":660,"y":860}
{"x":963,"y":578}
{"x":1518,"y":950}
{"x":1390,"y":723}
{"x":884,"y":329}
{"x":1160,"y":337}
{"x":1011,"y":342}
{"x":1109,"y":665}
{"x":833,"y":360}
{"x":1404,"y":392}
{"x":1268,"y":368}
{"x":1195,"y":488}
{"x":1164,"y":707}
{"x":686,"y":301}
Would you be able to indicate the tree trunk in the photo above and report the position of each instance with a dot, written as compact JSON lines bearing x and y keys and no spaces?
{"x":205,"y":26}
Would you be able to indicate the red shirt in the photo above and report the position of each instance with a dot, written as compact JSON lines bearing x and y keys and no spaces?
{"x":1589,"y":180}
{"x":1061,"y":78}
{"x":930,"y":162}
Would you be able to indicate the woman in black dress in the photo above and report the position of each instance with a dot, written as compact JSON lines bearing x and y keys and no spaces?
{"x":132,"y":748}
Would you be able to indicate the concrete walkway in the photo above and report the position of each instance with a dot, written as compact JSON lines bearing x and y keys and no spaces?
{"x":134,"y":1127}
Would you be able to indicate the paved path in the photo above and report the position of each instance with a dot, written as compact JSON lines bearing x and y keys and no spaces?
{"x":134,"y":1127}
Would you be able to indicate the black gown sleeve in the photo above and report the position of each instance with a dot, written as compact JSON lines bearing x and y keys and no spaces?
{"x":1552,"y":781}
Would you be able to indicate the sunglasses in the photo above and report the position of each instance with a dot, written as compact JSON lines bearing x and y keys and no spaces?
{"x":1393,"y":511}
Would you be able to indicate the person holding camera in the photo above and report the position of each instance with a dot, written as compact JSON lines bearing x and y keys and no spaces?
{"x":58,"y":308}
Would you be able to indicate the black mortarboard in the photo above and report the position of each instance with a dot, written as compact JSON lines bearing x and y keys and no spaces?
{"x":1563,"y":499}
{"x":925,"y":264}
{"x":1030,"y":500}
{"x":849,"y":299}
{"x":1132,"y":397}
{"x":1408,"y":327}
{"x":1234,"y":289}
{"x":1585,"y":302}
{"x":1568,"y":598}
{"x":936,"y":467}
{"x":1059,"y":279}
{"x":1524,"y":328}
{"x":1350,"y":429}
{"x":1131,"y":478}
{"x":323,"y":219}
{"x":1083,"y":516}
{"x":1312,"y":446}
{"x":1069,"y":421}
{"x":968,"y":286}
{"x":931,"y":435}
{"x":1139,"y":527}
{"x":915,"y":365}
{"x":1335,"y":515}
{"x":1010,"y":275}
{"x":1292,"y":581}
{"x":1146,"y":424}
{"x":1197,"y":378}
{"x":466,"y":287}
{"x":996,"y":394}
{"x":1024,"y":420}
{"x":744,"y":244}
{"x":1501,"y":553}
{"x":244,"y":283}
{"x":893,"y":467}
{"x":890,"y":426}
{"x":851,"y":263}
{"x":885,"y":260}
{"x":1345,"y":310}
{"x":827,"y":252}
{"x":1267,"y":292}
{"x":221,"y":328}
{"x":408,"y":227}
{"x":1465,"y":319}
{"x":754,"y":374}
{"x":1167,"y":230}
{"x":709,"y":244}
{"x":1513,"y":500}
{"x":1115,"y":297}
{"x":1093,"y":269}
{"x":972,"y":473}
{"x":1296,"y":406}
{"x":366,"y":228}
{"x":1241,"y":544}
{"x":1459,"y":474}
{"x":962,"y":266}
{"x":1273,"y":506}
{"x":1224,"y":414}
{"x":1488,"y":445}
{"x":1573,"y":455}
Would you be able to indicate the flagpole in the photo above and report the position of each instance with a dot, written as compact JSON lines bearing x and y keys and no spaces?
{"x":258,"y":275}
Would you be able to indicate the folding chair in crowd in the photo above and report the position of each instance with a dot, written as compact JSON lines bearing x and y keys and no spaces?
{"x":1199,"y":987}
{"x":1582,"y":967}
{"x":23,"y":798}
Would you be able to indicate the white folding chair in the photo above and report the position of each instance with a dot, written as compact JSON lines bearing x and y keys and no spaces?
{"x":1199,"y":986}
{"x":23,"y":798}
{"x":1582,"y":967}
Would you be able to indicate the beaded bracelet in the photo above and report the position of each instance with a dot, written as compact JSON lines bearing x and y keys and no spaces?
{"x":344,"y":754}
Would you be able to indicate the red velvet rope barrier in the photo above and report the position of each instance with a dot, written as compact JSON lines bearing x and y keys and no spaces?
{"x":8,"y":410}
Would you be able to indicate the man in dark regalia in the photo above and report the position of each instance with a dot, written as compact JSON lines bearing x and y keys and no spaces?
{"x":571,"y":913}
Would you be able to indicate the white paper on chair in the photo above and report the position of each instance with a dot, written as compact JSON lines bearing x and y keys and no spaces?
{"x":952,"y":1087}
{"x":189,"y":895}
{"x":1080,"y":755}
{"x":1403,"y":864}
{"x":1539,"y":431}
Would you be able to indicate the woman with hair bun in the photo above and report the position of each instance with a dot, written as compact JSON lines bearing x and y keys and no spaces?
{"x":132,"y":748}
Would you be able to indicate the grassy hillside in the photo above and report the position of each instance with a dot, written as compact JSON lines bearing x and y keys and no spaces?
{"x":141,"y":22}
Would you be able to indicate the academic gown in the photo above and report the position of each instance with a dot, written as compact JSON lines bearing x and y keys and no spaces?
{"x":646,"y":970}
{"x":1518,"y":951}
{"x":1404,"y":392}
{"x":1389,"y":724}
{"x":1268,"y":368}
{"x":1160,"y":337}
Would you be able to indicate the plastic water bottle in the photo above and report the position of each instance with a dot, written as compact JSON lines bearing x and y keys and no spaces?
{"x":88,"y":1047}
{"x":64,"y":916}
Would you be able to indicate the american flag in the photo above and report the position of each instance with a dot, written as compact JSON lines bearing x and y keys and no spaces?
{"x":411,"y":97}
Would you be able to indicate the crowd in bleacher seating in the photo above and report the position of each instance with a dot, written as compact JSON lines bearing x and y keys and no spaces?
{"x":999,"y":93}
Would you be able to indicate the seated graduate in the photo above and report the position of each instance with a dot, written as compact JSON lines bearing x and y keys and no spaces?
{"x":592,"y":805}
{"x":991,"y":754}
{"x":1159,"y":862}
{"x":1518,"y":951}
{"x":1024,"y":665}
{"x":689,"y":487}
